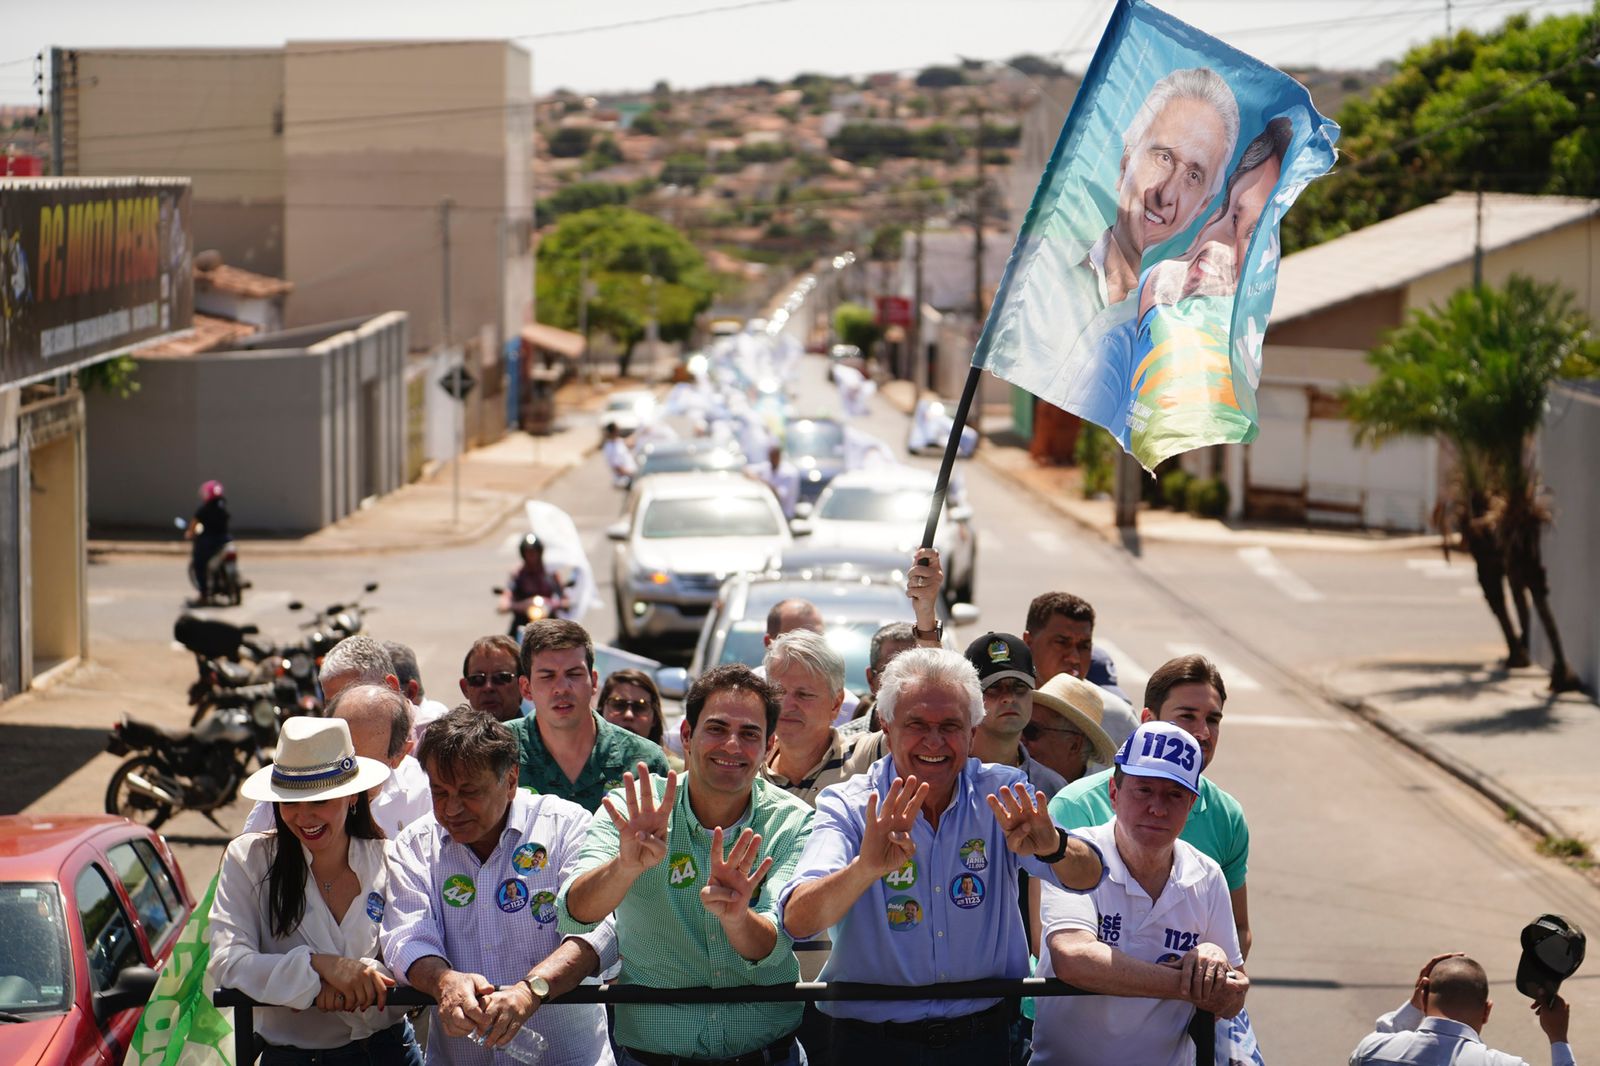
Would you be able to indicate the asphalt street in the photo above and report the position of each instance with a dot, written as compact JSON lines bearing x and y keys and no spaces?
{"x":1365,"y":860}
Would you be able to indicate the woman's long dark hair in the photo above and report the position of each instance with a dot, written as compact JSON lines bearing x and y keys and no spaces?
{"x":286,"y":877}
{"x":644,"y":681}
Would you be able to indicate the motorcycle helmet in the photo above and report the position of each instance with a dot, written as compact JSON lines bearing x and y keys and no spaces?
{"x":211,"y":490}
{"x":530,"y":542}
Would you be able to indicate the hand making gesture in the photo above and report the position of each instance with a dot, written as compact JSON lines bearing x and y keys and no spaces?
{"x":642,"y":833}
{"x":1025,"y":818}
{"x":886,"y":844}
{"x":1419,"y":992}
{"x":731,"y":882}
{"x":923,"y":582}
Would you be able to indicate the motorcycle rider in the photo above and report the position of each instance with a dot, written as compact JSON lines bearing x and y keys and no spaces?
{"x":531,"y":580}
{"x":209,"y":532}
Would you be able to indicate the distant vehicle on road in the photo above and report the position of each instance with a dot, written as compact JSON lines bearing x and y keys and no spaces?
{"x":930,"y":430}
{"x":628,"y":410}
{"x":885,"y":509}
{"x":90,"y":908}
{"x":686,"y":456}
{"x":816,"y":446}
{"x":680,"y":537}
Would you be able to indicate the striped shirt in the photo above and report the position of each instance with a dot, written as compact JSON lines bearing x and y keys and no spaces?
{"x":669,"y":940}
{"x":497,"y":918}
{"x":846,"y":755}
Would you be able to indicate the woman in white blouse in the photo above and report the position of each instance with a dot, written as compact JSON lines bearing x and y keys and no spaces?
{"x":297,"y":926}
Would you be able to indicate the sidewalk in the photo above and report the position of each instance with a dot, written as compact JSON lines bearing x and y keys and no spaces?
{"x":1501,"y":733}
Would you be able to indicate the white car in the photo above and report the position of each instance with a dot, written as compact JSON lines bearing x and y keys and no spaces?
{"x":629,"y":410}
{"x":681,"y":536}
{"x":886,"y":509}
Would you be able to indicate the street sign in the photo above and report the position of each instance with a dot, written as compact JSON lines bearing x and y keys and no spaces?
{"x":894,"y":311}
{"x":458,"y":382}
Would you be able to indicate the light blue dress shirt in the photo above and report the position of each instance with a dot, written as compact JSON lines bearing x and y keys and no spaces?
{"x":950,"y":914}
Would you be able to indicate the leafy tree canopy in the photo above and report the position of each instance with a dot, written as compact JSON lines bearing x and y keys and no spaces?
{"x":580,"y":196}
{"x":1035,"y":66}
{"x":938,"y":77}
{"x":1516,"y":110}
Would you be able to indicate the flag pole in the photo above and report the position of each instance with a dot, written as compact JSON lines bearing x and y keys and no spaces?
{"x":952,"y":446}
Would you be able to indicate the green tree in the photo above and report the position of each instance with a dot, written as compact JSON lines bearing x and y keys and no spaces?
{"x":580,"y":196}
{"x":683,"y":168}
{"x":1476,"y":374}
{"x":651,"y":123}
{"x":854,"y":324}
{"x":603,"y":152}
{"x":569,"y":142}
{"x":1035,"y":66}
{"x":637,"y":265}
{"x":1514,"y":110}
{"x":938,"y":77}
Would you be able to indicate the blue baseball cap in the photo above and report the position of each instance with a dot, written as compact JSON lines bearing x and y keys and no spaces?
{"x":1161,"y":749}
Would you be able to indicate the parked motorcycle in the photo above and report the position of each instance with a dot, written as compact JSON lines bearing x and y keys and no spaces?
{"x":224,"y":586}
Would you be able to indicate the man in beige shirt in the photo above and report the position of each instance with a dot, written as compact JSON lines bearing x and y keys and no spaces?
{"x":808,"y":753}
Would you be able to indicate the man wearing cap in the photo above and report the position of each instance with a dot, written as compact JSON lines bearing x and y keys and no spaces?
{"x":1155,"y":940}
{"x":1441,"y":1023}
{"x":1065,"y":732}
{"x":912,"y":867}
{"x":1005,"y":670}
{"x":566,"y":749}
{"x":1187,"y":692}
{"x":472,"y":911}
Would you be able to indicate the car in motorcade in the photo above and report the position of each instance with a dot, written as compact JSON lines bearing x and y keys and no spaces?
{"x":885,"y":508}
{"x":929,"y":429}
{"x":816,"y":447}
{"x":856,"y":600}
{"x":694,"y":455}
{"x":628,"y":410}
{"x":680,"y":537}
{"x":90,"y":908}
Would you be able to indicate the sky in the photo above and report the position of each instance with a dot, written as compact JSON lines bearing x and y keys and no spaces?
{"x":612,"y":45}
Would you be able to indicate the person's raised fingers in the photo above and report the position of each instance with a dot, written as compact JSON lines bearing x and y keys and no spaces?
{"x":872,"y":808}
{"x":717,"y":858}
{"x":670,"y":794}
{"x":761,"y":870}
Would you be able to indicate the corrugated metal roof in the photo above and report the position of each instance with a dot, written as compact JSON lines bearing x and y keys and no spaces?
{"x":1397,"y":251}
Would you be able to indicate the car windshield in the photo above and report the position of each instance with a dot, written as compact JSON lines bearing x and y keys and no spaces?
{"x":852,"y":640}
{"x":853,"y":503}
{"x":824,"y":440}
{"x":678,"y":462}
{"x":714,"y":516}
{"x":34,"y":972}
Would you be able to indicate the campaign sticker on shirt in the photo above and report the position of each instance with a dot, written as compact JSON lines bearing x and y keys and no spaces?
{"x":905,"y":914}
{"x":530,"y":790}
{"x":530,"y":857}
{"x":512,"y":895}
{"x":544,"y":907}
{"x":459,"y":890}
{"x":973,"y":856}
{"x":966,"y":891}
{"x":611,"y":783}
{"x":374,"y":906}
{"x":681,"y":871}
{"x":904,"y":877}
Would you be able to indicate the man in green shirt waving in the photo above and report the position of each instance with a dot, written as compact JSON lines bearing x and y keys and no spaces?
{"x":1188,"y":692}
{"x":691,"y":872}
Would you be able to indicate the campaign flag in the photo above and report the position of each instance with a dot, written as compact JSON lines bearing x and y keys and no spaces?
{"x":179,"y":1026}
{"x":1138,"y":291}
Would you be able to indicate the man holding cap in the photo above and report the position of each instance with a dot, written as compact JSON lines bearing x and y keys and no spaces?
{"x":1155,"y":939}
{"x":1005,"y":669}
{"x":1065,"y":732}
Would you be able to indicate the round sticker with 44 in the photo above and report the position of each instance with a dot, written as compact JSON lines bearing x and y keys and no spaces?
{"x":681,"y":871}
{"x":459,"y":890}
{"x":904,"y":877}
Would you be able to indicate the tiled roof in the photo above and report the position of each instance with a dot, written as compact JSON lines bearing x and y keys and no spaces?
{"x":239,"y":282}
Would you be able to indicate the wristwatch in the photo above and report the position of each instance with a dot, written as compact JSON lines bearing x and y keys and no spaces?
{"x":1061,"y":849}
{"x":538,"y":986}
{"x":937,"y":633}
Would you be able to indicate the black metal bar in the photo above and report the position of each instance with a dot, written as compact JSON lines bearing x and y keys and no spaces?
{"x":951,"y":447}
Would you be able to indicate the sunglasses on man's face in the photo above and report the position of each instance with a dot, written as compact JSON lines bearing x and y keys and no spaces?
{"x":622,"y":706}
{"x":499,"y":677}
{"x":1032,"y":730}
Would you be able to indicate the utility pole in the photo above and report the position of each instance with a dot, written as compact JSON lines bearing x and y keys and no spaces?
{"x":583,"y":313}
{"x":1449,"y":29}
{"x":1477,"y":243}
{"x":919,"y":359}
{"x":444,"y":329}
{"x":977,"y":227}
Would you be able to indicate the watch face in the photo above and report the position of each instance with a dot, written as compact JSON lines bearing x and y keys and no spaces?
{"x":540,"y":986}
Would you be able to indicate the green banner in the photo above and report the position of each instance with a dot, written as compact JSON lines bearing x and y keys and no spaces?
{"x":179,"y":1026}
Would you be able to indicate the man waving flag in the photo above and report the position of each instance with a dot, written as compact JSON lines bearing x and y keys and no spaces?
{"x":1138,"y":291}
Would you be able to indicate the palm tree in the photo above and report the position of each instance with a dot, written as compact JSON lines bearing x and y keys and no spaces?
{"x":1476,"y":374}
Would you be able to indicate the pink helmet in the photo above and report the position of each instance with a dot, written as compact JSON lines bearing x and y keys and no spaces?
{"x":211,"y":490}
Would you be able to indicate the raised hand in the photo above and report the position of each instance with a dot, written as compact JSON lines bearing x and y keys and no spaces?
{"x":1419,"y":994}
{"x":886,"y":844}
{"x":732,"y":882}
{"x":1024,"y":816}
{"x":642,"y":832}
{"x":923,"y":582}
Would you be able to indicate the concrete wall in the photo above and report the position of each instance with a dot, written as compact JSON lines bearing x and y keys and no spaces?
{"x":1568,"y":443}
{"x":1569,"y":256}
{"x":298,"y":435}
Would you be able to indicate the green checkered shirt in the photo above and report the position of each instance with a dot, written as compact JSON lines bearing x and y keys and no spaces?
{"x":615,"y":750}
{"x":669,"y":940}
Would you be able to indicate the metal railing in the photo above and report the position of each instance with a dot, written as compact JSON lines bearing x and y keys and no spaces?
{"x":1201,"y":1029}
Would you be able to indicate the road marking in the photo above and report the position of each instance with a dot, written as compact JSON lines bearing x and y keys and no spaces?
{"x":1266,"y":565}
{"x":1440,"y":569}
{"x":1047,"y":540}
{"x":1288,"y":721}
{"x":1234,"y":678}
{"x":1128,"y":669}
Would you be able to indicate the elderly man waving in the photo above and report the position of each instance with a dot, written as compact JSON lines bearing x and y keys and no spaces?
{"x":921,"y":888}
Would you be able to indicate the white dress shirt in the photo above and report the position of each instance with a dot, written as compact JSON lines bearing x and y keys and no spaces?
{"x":497,"y":917}
{"x":246,"y":955}
{"x":423,"y":715}
{"x":1407,"y":1037}
{"x":403,"y":798}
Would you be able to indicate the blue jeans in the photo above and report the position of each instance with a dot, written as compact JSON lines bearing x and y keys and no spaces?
{"x":796,"y":1058}
{"x":394,"y":1046}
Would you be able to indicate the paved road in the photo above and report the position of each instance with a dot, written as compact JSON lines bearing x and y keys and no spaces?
{"x":1365,"y":860}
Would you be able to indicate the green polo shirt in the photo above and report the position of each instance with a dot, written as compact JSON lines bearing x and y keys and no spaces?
{"x":1216,"y":822}
{"x":668,"y":939}
{"x":616,"y":750}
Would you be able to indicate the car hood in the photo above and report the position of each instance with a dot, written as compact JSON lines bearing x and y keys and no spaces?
{"x":708,"y":555}
{"x":28,"y":1043}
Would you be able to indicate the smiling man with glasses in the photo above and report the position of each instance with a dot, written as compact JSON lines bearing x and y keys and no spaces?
{"x":489,"y":678}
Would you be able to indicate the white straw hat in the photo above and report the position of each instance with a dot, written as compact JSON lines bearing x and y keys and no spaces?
{"x":315,"y":761}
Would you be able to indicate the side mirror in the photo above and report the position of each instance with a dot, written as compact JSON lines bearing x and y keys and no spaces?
{"x":132,"y":989}
{"x":672,"y":682}
{"x":960,"y":514}
{"x":617,"y":531}
{"x":800,"y":527}
{"x":963,"y":614}
{"x":804,"y":509}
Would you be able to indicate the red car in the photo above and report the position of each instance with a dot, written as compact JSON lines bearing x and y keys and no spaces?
{"x":90,"y":908}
